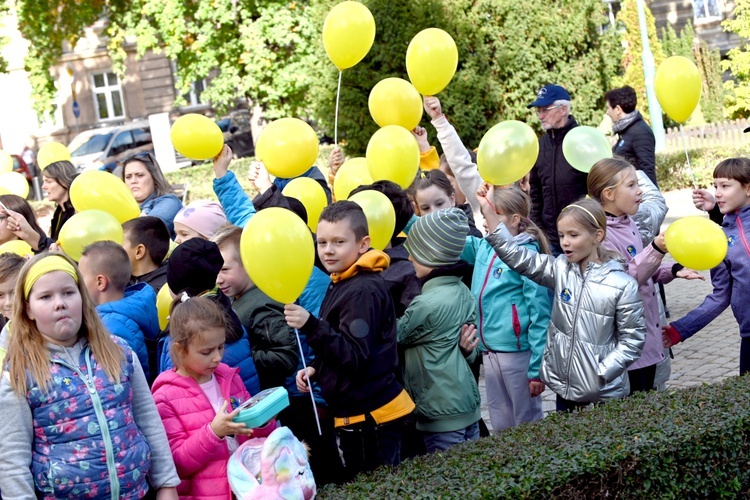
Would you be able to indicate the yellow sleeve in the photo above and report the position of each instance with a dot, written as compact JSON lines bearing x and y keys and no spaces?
{"x":429,"y":160}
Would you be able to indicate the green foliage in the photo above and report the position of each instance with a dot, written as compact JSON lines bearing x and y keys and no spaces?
{"x":631,"y":62}
{"x":672,"y":170}
{"x":708,"y":62}
{"x":505,"y":54}
{"x":737,"y":104}
{"x":691,"y":443}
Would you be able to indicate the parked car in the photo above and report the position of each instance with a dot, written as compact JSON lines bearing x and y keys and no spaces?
{"x":104,"y":148}
{"x":237,"y":133}
{"x":22,"y":168}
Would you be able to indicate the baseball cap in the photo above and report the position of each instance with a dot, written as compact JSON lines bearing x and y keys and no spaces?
{"x":548,"y":95}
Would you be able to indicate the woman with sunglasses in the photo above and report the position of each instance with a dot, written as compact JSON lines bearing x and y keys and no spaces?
{"x":142,"y":174}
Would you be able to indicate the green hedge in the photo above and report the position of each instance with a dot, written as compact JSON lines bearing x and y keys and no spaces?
{"x":690,"y":443}
{"x":672,"y":171}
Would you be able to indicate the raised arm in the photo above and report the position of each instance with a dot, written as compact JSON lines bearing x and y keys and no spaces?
{"x":652,"y":210}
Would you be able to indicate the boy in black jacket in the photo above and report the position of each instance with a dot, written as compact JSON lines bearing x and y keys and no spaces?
{"x":355,"y":343}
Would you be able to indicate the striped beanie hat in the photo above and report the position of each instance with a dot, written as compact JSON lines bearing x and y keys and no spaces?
{"x":438,"y":238}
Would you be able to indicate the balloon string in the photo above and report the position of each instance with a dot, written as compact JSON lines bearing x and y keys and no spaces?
{"x":336,"y":119}
{"x":309,"y":383}
{"x":687,"y":156}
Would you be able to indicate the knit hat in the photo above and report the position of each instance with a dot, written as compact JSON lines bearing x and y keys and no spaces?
{"x":202,"y":216}
{"x":194,"y":266}
{"x":438,"y":238}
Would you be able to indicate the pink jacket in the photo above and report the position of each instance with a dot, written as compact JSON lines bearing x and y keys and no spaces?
{"x":645,"y":265}
{"x":201,"y":457}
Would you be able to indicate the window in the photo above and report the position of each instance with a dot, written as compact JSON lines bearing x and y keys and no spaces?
{"x":707,"y":10}
{"x":107,"y":96}
{"x":123,"y":142}
{"x":193,"y":97}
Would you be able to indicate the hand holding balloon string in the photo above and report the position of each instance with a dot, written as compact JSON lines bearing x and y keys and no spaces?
{"x":420,"y":134}
{"x":258,"y":175}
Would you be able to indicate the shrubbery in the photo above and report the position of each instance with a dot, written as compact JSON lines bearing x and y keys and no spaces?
{"x":672,"y":171}
{"x":690,"y":443}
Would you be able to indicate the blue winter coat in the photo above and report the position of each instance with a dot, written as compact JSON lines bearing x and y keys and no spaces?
{"x":133,"y":318}
{"x":730,"y":279}
{"x":513,"y":311}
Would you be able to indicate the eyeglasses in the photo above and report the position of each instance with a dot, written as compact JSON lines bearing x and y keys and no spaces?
{"x":542,"y":111}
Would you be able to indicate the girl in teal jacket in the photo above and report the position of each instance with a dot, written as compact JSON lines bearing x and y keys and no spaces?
{"x":514,"y":313}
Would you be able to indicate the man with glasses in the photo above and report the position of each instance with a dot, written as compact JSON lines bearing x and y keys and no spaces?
{"x":554,"y":183}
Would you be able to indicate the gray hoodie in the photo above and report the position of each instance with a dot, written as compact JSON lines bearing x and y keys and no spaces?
{"x":16,"y":481}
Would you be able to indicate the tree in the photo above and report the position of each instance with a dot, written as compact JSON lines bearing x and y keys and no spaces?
{"x":738,"y":62}
{"x":631,"y":61}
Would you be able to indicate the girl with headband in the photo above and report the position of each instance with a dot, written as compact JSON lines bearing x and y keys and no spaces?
{"x":597,"y":327}
{"x":78,"y":417}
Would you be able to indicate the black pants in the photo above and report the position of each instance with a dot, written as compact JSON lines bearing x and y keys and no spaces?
{"x":745,"y":355}
{"x":642,"y":379}
{"x":563,"y":405}
{"x":325,"y":461}
{"x":367,"y":445}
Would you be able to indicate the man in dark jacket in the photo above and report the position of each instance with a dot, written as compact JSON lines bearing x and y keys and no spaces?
{"x":636,"y":142}
{"x":554,"y":183}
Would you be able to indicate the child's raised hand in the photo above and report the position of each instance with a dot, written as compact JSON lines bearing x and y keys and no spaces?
{"x":468,"y":340}
{"x":703,"y":199}
{"x":303,"y":379}
{"x":335,"y":161}
{"x":432,"y":106}
{"x":223,"y":426}
{"x":258,"y":175}
{"x":689,"y":274}
{"x":661,"y":243}
{"x":420,"y":134}
{"x":221,"y":162}
{"x":296,"y":316}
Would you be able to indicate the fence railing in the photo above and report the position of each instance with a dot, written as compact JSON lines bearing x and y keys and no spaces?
{"x":710,"y":134}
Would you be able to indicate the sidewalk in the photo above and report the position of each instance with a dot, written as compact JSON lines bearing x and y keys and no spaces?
{"x":709,"y":356}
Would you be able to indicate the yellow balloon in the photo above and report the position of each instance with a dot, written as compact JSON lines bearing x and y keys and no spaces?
{"x":678,"y":86}
{"x":197,"y":137}
{"x":352,"y":174}
{"x":88,"y":227}
{"x":288,"y":147}
{"x":393,"y":154}
{"x":15,"y":183}
{"x":52,"y":152}
{"x":394,"y":101}
{"x":278,"y":253}
{"x":696,"y":242}
{"x":99,"y":190}
{"x":381,"y":217}
{"x":18,"y":247}
{"x":584,"y":146}
{"x":348,"y":33}
{"x":311,"y":194}
{"x":431,"y":60}
{"x":163,"y":303}
{"x":6,"y":162}
{"x":507,"y":152}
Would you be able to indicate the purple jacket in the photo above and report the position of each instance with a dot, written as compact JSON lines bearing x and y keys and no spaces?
{"x":731,"y":281}
{"x":645,"y":265}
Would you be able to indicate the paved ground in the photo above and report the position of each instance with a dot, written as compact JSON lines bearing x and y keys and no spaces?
{"x":709,"y":356}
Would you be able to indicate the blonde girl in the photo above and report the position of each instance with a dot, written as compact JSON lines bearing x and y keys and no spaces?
{"x":79,"y":420}
{"x":597,"y":328}
{"x":614,"y":183}
{"x":513,"y":316}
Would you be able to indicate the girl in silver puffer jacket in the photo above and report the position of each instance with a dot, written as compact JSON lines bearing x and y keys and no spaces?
{"x":597,"y":327}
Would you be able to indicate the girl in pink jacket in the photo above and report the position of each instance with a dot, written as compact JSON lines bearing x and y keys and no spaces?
{"x":198,"y":399}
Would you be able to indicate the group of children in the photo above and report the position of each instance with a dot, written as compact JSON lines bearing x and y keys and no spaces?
{"x":98,"y":401}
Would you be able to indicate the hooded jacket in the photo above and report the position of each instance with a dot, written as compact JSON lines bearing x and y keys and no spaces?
{"x":730,"y":279}
{"x":554,"y":183}
{"x":355,"y":340}
{"x":436,"y":374}
{"x":513,"y":311}
{"x":134,"y":319}
{"x":597,"y":327}
{"x":200,"y":456}
{"x":400,"y":276}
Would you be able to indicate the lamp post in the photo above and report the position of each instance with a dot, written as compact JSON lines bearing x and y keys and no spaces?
{"x":649,"y":70}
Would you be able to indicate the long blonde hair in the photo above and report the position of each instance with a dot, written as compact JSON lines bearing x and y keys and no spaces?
{"x":188,"y":321}
{"x":589,"y":215}
{"x":512,"y":201}
{"x":28,"y":357}
{"x":606,"y":174}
